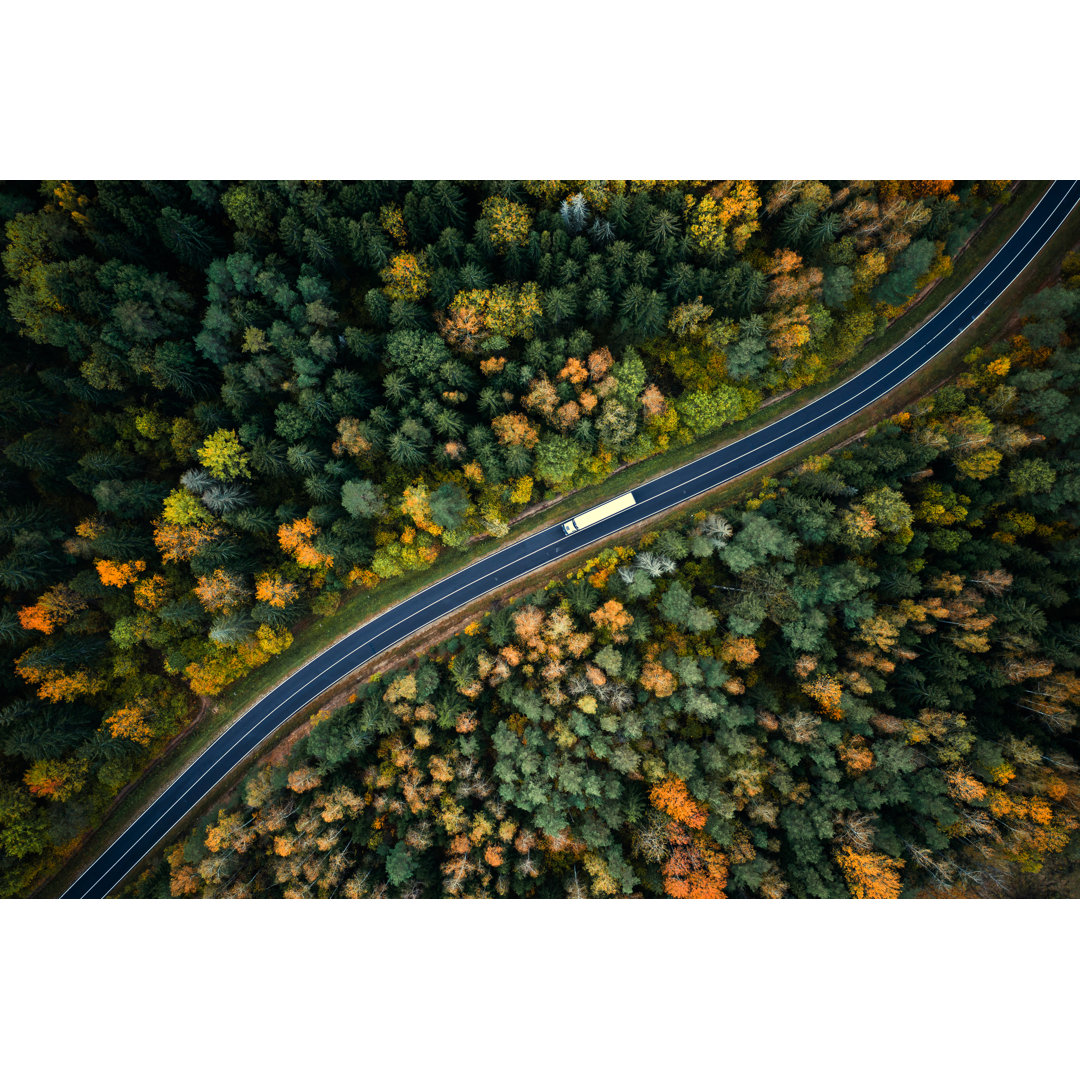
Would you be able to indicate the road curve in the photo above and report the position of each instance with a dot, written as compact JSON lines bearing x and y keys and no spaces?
{"x":535,"y":551}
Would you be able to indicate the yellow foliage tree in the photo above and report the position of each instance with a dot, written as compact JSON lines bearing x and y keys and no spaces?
{"x":56,"y":780}
{"x":55,"y":684}
{"x":705,"y":226}
{"x":416,"y":504}
{"x":151,"y":592}
{"x":211,"y":676}
{"x":868,"y":269}
{"x":224,"y":457}
{"x":406,"y":276}
{"x":183,"y":508}
{"x":507,"y":310}
{"x":738,"y":203}
{"x":393,"y":221}
{"x":129,"y":722}
{"x":272,"y":641}
{"x":522,"y":490}
{"x":508,"y":222}
{"x":980,"y":465}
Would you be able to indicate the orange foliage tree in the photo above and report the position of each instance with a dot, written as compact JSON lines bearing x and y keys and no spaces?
{"x":273,"y":589}
{"x":129,"y":722}
{"x":462,"y":327}
{"x":295,"y":538}
{"x":574,"y":370}
{"x":514,"y":429}
{"x":856,"y":755}
{"x":416,"y":503}
{"x":657,"y":679}
{"x":696,"y":869}
{"x":742,"y":651}
{"x":964,"y":787}
{"x":870,"y":875}
{"x":54,"y":608}
{"x":351,"y":439}
{"x":672,"y":796}
{"x":53,"y":683}
{"x":653,"y":402}
{"x":528,"y":622}
{"x":614,"y":618}
{"x":220,"y":591}
{"x":825,"y":690}
{"x":226,"y":833}
{"x":177,"y":543}
{"x":117,"y":573}
{"x":304,"y":779}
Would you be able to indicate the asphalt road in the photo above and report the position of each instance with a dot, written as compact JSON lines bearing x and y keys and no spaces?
{"x":533,"y":552}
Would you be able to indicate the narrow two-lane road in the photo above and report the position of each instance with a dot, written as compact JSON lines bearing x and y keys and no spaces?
{"x":539,"y":549}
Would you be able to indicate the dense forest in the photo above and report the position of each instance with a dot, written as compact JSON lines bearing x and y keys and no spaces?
{"x":860,"y":681}
{"x":227,"y":403}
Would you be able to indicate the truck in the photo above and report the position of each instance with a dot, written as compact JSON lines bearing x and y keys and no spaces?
{"x":599,"y":513}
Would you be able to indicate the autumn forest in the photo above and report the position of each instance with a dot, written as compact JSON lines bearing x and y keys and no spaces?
{"x":230,"y":407}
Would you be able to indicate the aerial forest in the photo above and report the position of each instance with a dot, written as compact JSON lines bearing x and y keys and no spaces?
{"x":227,"y":406}
{"x":859,"y":681}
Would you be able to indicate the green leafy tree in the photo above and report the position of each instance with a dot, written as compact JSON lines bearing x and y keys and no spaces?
{"x":449,"y":505}
{"x":400,"y":864}
{"x":899,"y":284}
{"x":363,"y":499}
{"x":702,"y":410}
{"x":1032,"y":477}
{"x":557,"y":459}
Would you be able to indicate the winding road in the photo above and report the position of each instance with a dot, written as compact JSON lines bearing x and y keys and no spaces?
{"x":535,"y":551}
